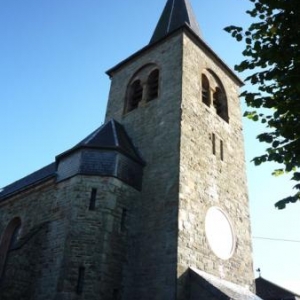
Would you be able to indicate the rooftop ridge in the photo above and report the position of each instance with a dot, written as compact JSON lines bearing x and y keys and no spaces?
{"x":111,"y":135}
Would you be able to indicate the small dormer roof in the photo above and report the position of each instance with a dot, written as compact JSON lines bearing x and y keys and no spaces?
{"x":176,"y":14}
{"x":111,"y":135}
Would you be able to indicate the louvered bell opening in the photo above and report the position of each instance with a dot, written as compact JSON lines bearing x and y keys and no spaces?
{"x":220,"y":104}
{"x":136,"y":95}
{"x":205,"y":91}
{"x":153,"y":85}
{"x":217,"y":101}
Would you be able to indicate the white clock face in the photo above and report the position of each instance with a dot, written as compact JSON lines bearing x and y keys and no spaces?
{"x":219,"y":233}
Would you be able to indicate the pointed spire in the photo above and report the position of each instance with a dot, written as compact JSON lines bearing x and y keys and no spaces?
{"x":176,"y":14}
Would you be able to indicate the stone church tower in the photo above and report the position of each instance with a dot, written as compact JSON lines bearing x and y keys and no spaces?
{"x":152,"y":205}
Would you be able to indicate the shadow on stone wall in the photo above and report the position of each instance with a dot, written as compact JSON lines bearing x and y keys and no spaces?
{"x":22,"y":269}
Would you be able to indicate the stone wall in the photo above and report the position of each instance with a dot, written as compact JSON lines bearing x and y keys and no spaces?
{"x":97,"y":239}
{"x":33,"y":263}
{"x":178,"y":124}
{"x":206,"y":179}
{"x":154,"y":128}
{"x":61,"y":235}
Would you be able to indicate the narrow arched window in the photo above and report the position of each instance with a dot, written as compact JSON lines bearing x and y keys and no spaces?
{"x":135,"y":95}
{"x":205,"y":90}
{"x":153,"y":85}
{"x":8,"y":241}
{"x":220,"y":103}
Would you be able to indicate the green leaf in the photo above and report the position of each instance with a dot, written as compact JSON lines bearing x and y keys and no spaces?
{"x":281,"y":204}
{"x":239,"y":37}
{"x":278,"y":172}
{"x":248,"y":41}
{"x":296,"y":176}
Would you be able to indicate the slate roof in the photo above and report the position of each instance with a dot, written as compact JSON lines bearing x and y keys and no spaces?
{"x":35,"y":178}
{"x":111,"y":135}
{"x":269,"y":291}
{"x":177,"y":13}
{"x":220,"y":288}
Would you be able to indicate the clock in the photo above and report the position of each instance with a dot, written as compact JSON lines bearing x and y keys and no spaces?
{"x":220,"y":233}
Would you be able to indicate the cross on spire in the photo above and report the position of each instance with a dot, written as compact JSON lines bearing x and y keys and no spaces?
{"x":176,"y":14}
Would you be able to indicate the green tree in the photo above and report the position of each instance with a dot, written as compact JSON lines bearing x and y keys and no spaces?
{"x":272,"y":56}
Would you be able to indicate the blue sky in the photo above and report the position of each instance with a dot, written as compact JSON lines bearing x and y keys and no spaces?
{"x":54,"y":89}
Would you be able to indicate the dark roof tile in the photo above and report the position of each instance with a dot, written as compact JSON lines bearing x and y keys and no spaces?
{"x":39,"y":176}
{"x":268,"y":290}
{"x":111,"y":135}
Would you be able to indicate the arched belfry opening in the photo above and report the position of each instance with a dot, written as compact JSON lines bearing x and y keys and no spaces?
{"x":143,"y":87}
{"x":213,"y":94}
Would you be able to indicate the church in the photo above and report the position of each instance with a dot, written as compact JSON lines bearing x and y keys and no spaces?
{"x":153,"y":204}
